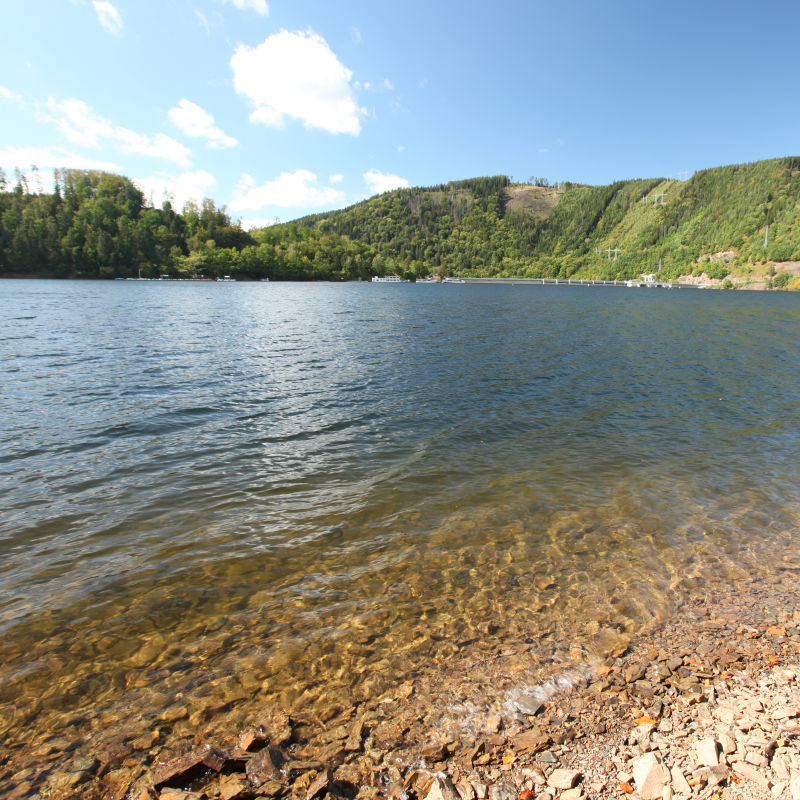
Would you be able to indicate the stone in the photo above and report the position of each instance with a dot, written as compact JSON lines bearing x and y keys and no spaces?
{"x":563,"y":778}
{"x":717,"y":775}
{"x":725,"y":714}
{"x":270,"y":789}
{"x":707,"y":753}
{"x":169,"y":793}
{"x":786,"y":712}
{"x":116,"y":783}
{"x":232,"y":787}
{"x":529,"y":706}
{"x":635,"y":672}
{"x":781,"y":768}
{"x":320,"y":784}
{"x":178,"y":768}
{"x":532,"y":740}
{"x":794,"y":788}
{"x":388,"y":735}
{"x":249,"y":738}
{"x":481,"y":790}
{"x":572,"y":794}
{"x":650,"y":776}
{"x":465,"y":790}
{"x":756,"y":759}
{"x":214,"y":759}
{"x":353,"y":742}
{"x":265,"y":766}
{"x":502,"y":791}
{"x":727,"y":743}
{"x":279,"y":728}
{"x":751,"y":773}
{"x":533,"y":774}
{"x":434,"y":752}
{"x":442,"y":789}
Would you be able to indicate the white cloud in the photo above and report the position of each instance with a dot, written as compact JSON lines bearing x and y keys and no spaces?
{"x":7,"y":94}
{"x":50,"y":158}
{"x":379,"y":182}
{"x":401,"y":148}
{"x":259,"y":6}
{"x":196,"y":121}
{"x":299,"y":76}
{"x":82,"y":126}
{"x":109,"y":16}
{"x":79,"y":123}
{"x":159,"y":146}
{"x":203,"y":20}
{"x":259,"y":222}
{"x":355,"y":35}
{"x":177,"y":188}
{"x":297,"y":189}
{"x":387,"y":84}
{"x":335,"y":179}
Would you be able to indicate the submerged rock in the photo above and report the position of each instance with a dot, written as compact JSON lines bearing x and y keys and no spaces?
{"x":180,"y":768}
{"x":265,"y":766}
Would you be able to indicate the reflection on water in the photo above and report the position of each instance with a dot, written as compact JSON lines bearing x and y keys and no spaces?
{"x":305,"y":493}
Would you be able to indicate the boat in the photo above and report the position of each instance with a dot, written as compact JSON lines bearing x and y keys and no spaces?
{"x":453,"y":280}
{"x":387,"y":279}
{"x":226,"y":278}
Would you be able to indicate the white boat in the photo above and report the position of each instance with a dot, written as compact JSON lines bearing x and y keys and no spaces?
{"x":452,"y":280}
{"x":226,"y":278}
{"x":387,"y":279}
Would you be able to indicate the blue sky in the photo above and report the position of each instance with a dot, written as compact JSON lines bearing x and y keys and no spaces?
{"x":279,"y":108}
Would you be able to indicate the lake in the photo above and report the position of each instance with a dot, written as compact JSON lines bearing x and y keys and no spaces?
{"x":302,"y":494}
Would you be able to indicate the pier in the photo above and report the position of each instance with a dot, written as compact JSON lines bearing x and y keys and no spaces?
{"x":632,"y":284}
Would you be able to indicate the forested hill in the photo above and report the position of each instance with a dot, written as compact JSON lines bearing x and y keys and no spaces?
{"x":714,"y":222}
{"x":95,"y":224}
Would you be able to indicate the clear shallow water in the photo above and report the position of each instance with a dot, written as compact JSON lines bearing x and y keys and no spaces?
{"x":304,"y":493}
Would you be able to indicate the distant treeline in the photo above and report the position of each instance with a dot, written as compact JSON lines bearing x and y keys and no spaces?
{"x":96,"y":224}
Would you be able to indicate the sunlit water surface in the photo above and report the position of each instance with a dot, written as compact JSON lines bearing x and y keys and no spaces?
{"x":305,"y":493}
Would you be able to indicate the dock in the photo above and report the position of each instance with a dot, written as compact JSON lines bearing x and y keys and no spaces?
{"x":633,"y":284}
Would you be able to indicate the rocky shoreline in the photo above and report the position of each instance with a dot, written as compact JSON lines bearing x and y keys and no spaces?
{"x":706,"y":705}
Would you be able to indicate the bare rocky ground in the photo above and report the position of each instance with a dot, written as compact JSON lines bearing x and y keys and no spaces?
{"x":706,"y":706}
{"x":754,"y":277}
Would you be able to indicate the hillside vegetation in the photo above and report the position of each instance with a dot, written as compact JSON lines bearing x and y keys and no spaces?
{"x":713,"y":225}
